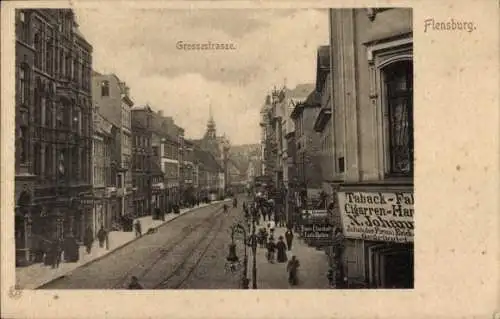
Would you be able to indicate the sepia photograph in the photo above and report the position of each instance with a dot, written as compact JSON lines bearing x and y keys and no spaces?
{"x":214,"y":149}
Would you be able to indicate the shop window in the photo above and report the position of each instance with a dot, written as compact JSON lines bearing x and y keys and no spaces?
{"x":398,"y":81}
{"x":105,"y":88}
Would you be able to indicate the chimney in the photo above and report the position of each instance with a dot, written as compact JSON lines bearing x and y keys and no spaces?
{"x":160,"y":113}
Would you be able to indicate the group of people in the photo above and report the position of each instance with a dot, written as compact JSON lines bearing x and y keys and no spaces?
{"x":276,"y":251}
{"x":52,"y":252}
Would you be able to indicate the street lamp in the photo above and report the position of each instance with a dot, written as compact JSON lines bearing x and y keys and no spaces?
{"x":232,"y":258}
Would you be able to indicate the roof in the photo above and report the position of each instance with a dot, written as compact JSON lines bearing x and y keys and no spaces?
{"x":301,"y":91}
{"x":314,"y":99}
{"x":207,"y":159}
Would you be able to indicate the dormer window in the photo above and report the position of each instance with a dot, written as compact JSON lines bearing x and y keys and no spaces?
{"x":105,"y":88}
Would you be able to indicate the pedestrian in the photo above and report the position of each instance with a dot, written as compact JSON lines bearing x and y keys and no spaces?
{"x":134,"y":283}
{"x":261,"y":237}
{"x":88,"y":239}
{"x":289,"y":238}
{"x":271,"y":248}
{"x":281,"y":248}
{"x":138,"y":228}
{"x":101,"y":236}
{"x":292,"y":269}
{"x":272,"y":225}
{"x":331,"y":278}
{"x":55,"y":253}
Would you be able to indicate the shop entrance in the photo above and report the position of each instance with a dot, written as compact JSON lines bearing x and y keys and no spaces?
{"x":390,"y":265}
{"x":399,"y":269}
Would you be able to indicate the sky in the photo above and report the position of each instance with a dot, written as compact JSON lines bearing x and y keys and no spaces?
{"x":273,"y":47}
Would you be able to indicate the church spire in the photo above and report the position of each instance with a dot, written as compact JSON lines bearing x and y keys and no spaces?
{"x":211,"y":132}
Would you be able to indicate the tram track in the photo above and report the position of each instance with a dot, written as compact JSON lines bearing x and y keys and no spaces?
{"x":147,"y":265}
{"x":183,"y":271}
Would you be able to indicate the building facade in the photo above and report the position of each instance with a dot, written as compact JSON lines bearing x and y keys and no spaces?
{"x":372,"y":126}
{"x":308,"y":147}
{"x":103,"y":182}
{"x":111,"y":99}
{"x":219,"y":147}
{"x":54,"y":130}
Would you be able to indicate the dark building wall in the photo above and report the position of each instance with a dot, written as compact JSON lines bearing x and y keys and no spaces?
{"x":54,"y":121}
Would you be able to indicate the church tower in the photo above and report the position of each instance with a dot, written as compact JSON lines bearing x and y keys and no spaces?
{"x":211,"y":133}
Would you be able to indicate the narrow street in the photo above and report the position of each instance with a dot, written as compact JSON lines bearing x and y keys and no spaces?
{"x":189,"y":252}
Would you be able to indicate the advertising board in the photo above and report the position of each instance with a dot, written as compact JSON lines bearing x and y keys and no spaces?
{"x":378,"y":216}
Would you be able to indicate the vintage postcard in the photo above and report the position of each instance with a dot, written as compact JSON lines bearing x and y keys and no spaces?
{"x":250,"y":159}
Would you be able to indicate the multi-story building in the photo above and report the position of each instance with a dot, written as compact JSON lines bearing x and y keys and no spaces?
{"x":103,"y":183}
{"x":112,"y":100}
{"x":323,"y":125}
{"x":54,"y":129}
{"x":167,"y":145}
{"x":146,"y":172}
{"x":308,"y":146}
{"x":189,"y":172}
{"x":209,"y":170}
{"x":268,"y":140}
{"x":219,"y":147}
{"x":372,"y":123}
{"x":283,"y":104}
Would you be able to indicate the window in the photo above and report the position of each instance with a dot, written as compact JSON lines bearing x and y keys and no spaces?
{"x":398,"y":80}
{"x":48,"y":114}
{"x":62,"y":70}
{"x":105,"y":88}
{"x":77,"y":120}
{"x":49,"y":57}
{"x":38,"y":50}
{"x":24,"y":88}
{"x":23,"y":25}
{"x":37,"y":159}
{"x":155,"y":150}
{"x":48,"y":162}
{"x":68,"y":66}
{"x":23,"y":143}
{"x":341,"y":164}
{"x":74,"y":163}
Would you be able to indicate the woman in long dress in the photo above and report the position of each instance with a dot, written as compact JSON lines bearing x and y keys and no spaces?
{"x":281,"y":248}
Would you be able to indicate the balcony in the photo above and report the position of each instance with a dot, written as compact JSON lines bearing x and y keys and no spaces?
{"x":110,"y":191}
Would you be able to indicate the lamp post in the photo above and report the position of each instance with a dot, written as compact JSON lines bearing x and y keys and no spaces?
{"x":233,"y":258}
{"x":253,"y":243}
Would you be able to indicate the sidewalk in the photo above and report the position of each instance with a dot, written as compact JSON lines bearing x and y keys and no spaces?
{"x":36,"y":275}
{"x":312,"y":271}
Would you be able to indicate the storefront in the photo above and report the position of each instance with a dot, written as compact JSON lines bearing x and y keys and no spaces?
{"x":378,"y":227}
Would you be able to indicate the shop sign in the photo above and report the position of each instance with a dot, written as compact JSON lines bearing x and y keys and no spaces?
{"x":314,"y":213}
{"x":317,"y":235}
{"x":377,"y":216}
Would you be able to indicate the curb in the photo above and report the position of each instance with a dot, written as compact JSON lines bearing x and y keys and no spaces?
{"x":88,"y":263}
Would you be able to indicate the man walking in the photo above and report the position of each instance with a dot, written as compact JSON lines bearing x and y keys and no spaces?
{"x":138,"y":229}
{"x":101,"y":236}
{"x":88,"y":239}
